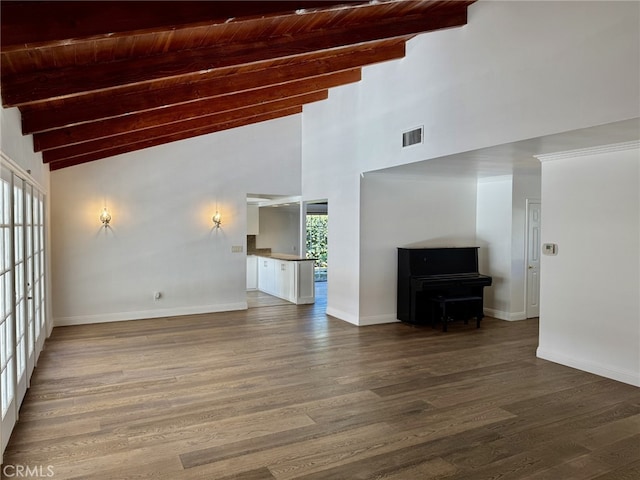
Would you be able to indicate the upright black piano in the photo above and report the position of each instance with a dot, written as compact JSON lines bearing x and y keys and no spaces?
{"x":440,"y":284}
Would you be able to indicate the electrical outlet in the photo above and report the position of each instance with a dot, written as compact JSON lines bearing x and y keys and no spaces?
{"x":236,"y":248}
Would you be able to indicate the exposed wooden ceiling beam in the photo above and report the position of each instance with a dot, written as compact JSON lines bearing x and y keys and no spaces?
{"x":172,"y":138}
{"x":168,"y":130}
{"x":64,"y":22}
{"x":61,"y":113}
{"x":181,"y":66}
{"x":143,"y":120}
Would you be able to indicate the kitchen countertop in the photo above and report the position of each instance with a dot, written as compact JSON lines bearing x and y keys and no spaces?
{"x":283,"y":256}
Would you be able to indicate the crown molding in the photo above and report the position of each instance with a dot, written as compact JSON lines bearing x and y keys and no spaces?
{"x":583,"y":152}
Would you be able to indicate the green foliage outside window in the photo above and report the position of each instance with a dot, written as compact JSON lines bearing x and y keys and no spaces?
{"x":317,"y":239}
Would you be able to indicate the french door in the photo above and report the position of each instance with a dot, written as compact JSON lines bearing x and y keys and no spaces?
{"x":7,"y":312}
{"x":22,"y":291}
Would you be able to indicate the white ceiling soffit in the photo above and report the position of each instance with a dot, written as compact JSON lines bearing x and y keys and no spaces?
{"x":263,"y":200}
{"x":517,"y":157}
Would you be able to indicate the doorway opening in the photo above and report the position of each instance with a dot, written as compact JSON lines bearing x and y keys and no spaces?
{"x":316,"y":223}
{"x":316,"y":244}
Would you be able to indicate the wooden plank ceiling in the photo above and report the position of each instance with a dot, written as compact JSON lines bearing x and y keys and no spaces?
{"x":94,"y":79}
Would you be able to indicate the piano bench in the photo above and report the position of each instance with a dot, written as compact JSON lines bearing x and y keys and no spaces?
{"x":442,"y":302}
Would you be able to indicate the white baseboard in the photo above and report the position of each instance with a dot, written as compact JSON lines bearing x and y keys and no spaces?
{"x":306,"y":300}
{"x":502,"y":315}
{"x":340,"y":315}
{"x":144,"y":314}
{"x":624,"y":376}
{"x":362,"y":321}
{"x":378,"y":319}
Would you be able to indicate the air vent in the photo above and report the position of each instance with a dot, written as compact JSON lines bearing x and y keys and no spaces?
{"x":412,"y":137}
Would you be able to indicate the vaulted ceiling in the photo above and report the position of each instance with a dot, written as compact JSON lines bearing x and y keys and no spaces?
{"x":94,"y":79}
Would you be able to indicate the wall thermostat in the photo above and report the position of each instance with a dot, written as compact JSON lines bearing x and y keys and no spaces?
{"x":549,"y":248}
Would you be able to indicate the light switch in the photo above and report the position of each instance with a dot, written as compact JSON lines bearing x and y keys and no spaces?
{"x":236,"y":248}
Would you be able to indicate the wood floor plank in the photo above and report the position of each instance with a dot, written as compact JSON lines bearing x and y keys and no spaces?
{"x":627,"y":472}
{"x":584,"y":467}
{"x":429,"y":381}
{"x":406,"y":462}
{"x":620,"y":453}
{"x":287,"y":461}
{"x":421,"y":469}
{"x":525,"y":381}
{"x":612,"y":431}
{"x":407,"y":431}
{"x":285,"y":392}
{"x":521,"y":464}
{"x":537,"y":432}
{"x":257,"y":474}
{"x":147,"y":463}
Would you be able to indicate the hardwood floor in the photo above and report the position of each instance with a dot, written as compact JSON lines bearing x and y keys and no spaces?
{"x":256,"y":298}
{"x":285,"y":392}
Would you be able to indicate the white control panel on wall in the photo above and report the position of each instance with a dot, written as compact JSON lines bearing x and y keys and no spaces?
{"x":549,"y":249}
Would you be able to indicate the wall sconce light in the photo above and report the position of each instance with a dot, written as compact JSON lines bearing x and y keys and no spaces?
{"x":217,"y":220}
{"x":105,"y":217}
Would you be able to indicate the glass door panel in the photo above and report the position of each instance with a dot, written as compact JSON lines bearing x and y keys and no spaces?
{"x":8,"y":413}
{"x":29,"y":279}
{"x":38,"y":269}
{"x":20,"y":273}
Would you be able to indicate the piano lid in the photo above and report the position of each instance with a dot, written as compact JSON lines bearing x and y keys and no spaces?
{"x":438,"y":261}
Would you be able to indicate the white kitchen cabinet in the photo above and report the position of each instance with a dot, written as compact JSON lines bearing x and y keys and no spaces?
{"x":253,"y":220}
{"x":285,"y":279}
{"x":266,"y":275}
{"x":305,"y":282}
{"x":252,"y":272}
{"x":291,"y":280}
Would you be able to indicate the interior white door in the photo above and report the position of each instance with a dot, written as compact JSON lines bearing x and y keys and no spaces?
{"x":533,"y":259}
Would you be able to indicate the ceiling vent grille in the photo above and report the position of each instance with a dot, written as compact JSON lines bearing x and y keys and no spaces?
{"x":412,"y":137}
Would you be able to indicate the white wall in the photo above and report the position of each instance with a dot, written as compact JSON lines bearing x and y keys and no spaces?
{"x":161,"y":239}
{"x":493,"y":231}
{"x":590,"y":292}
{"x":330,"y":166}
{"x":19,"y":148}
{"x":407,"y":212}
{"x":280,"y":229}
{"x":470,"y":88}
